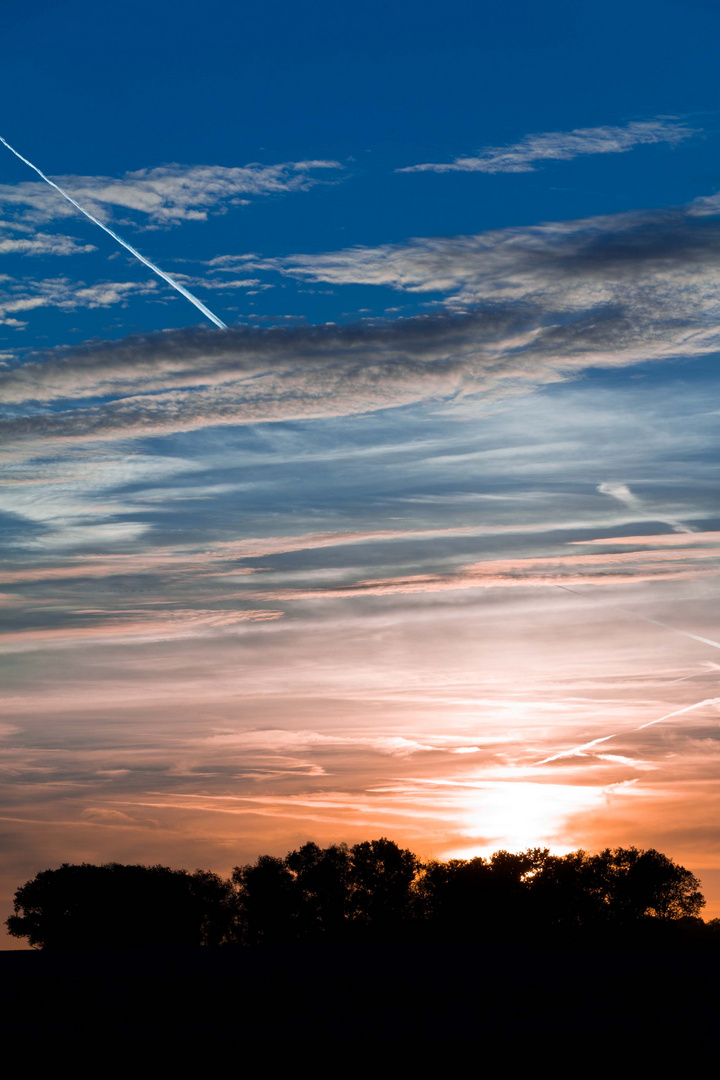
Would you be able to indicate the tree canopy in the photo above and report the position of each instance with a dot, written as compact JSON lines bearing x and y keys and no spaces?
{"x":375,"y":891}
{"x":117,"y":905}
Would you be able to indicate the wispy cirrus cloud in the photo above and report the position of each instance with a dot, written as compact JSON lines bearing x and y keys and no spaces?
{"x":602,"y":569}
{"x":282,"y":741}
{"x":112,"y":628}
{"x":563,"y":146}
{"x":220,"y":559}
{"x":660,"y":540}
{"x":161,"y":196}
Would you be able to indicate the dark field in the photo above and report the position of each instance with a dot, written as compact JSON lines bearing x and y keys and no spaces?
{"x":363,"y":996}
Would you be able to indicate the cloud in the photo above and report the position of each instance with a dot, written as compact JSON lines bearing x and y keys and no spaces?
{"x":209,"y":283}
{"x":287,"y":741}
{"x":563,"y":146}
{"x":601,"y":569}
{"x":20,"y":295}
{"x":580,"y":751}
{"x":117,"y":627}
{"x":220,"y":559}
{"x":662,"y":539}
{"x":629,"y":261}
{"x":42,"y":244}
{"x":100,"y":815}
{"x":625,"y":496}
{"x":622,"y":493}
{"x":524,"y":307}
{"x":184,"y":381}
{"x":162,"y":196}
{"x":437,"y":811}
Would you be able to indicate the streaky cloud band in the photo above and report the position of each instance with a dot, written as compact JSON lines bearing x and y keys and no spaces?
{"x":526,"y":307}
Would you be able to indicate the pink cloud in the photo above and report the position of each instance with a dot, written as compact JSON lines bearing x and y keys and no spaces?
{"x":608,"y":569}
{"x":662,"y":540}
{"x":172,"y":624}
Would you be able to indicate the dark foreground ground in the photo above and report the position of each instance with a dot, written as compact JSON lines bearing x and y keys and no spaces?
{"x":404,"y":995}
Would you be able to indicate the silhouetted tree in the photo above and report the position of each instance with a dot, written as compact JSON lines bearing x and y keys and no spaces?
{"x":481,"y":900}
{"x":322,"y":883}
{"x":432,"y":888}
{"x":267,"y":901}
{"x":464,"y":906}
{"x":564,"y":895}
{"x":216,"y":901}
{"x":633,"y":884}
{"x":372,"y":892}
{"x":326,"y":894}
{"x":534,"y":896}
{"x":382,"y":874}
{"x":612,"y":893}
{"x":112,"y":905}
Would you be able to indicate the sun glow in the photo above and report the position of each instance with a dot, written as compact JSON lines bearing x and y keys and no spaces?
{"x":521,"y":815}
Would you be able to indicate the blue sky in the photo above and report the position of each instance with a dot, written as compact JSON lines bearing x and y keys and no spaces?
{"x":376,"y":91}
{"x":422,"y":542}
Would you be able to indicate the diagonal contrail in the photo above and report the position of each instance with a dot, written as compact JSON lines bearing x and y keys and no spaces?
{"x":642,"y":618}
{"x":133,"y":251}
{"x":679,"y":712}
{"x":578,"y":750}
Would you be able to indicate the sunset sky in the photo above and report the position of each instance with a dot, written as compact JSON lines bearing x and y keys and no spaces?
{"x":426,"y":543}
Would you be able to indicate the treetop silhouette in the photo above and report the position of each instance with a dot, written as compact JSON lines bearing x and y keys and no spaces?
{"x":373,"y":892}
{"x":118,"y":906}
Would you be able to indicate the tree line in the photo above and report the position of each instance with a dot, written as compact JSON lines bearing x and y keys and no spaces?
{"x":374,"y":892}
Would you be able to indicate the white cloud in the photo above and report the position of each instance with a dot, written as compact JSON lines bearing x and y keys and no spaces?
{"x":165,"y":195}
{"x":624,"y":495}
{"x":17,"y":295}
{"x":563,"y":146}
{"x":42,"y":244}
{"x":223,"y":285}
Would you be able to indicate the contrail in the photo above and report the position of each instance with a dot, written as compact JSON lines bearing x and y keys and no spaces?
{"x":642,"y":618}
{"x":133,"y":251}
{"x":577,"y":750}
{"x":679,"y":712}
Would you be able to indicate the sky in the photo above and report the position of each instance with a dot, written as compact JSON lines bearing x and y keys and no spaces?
{"x":411,"y":528}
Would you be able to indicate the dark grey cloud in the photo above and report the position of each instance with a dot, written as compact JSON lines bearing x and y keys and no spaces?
{"x":523,"y":307}
{"x":565,"y":266}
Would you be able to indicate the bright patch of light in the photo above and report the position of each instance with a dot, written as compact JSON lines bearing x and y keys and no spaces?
{"x":521,"y":815}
